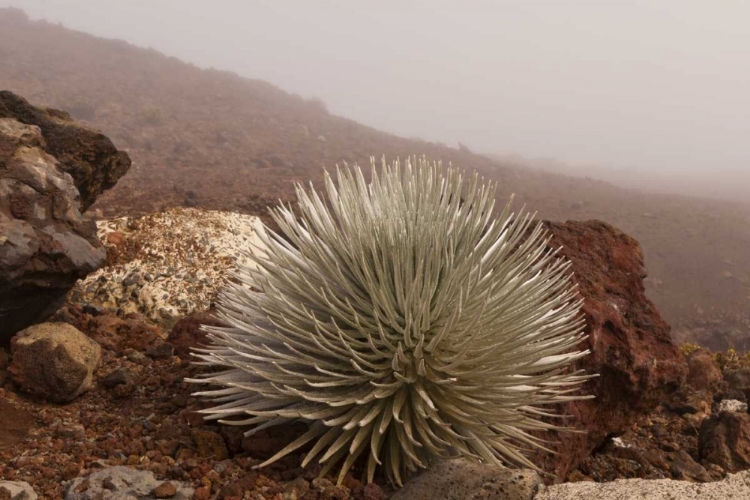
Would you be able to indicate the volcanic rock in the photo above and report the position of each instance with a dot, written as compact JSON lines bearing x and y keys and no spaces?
{"x":88,"y":156}
{"x":682,"y":466}
{"x":54,"y":360}
{"x":210,"y":444}
{"x":46,"y":245}
{"x":623,"y":459}
{"x":732,"y":405}
{"x":724,"y":440}
{"x":459,"y":478}
{"x":703,"y":374}
{"x":113,"y":332}
{"x":297,"y":489}
{"x":121,"y":483}
{"x":121,"y":376}
{"x":738,"y":379}
{"x":167,"y":265}
{"x":188,"y":332}
{"x":17,"y":490}
{"x":631,"y":348}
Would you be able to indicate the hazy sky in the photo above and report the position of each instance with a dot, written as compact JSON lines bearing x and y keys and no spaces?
{"x":623,"y":83}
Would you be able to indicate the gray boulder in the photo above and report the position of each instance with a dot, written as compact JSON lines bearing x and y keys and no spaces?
{"x":51,"y":169}
{"x":87,"y":155}
{"x":124,"y":483}
{"x":459,"y":479}
{"x":17,"y":490}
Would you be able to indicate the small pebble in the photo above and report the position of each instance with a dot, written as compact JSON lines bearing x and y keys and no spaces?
{"x":117,"y":377}
{"x":164,"y":490}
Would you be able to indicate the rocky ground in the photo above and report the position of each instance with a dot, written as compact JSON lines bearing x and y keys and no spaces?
{"x":94,"y":402}
{"x":139,"y":411}
{"x":168,"y":264}
{"x":698,"y":435}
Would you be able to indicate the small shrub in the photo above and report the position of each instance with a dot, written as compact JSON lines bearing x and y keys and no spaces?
{"x":151,"y":115}
{"x":727,"y":359}
{"x":687,"y":349}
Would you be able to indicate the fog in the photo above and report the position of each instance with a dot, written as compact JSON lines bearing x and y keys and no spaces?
{"x":639,"y":87}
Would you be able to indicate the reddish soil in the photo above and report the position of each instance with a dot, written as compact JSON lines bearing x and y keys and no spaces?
{"x":15,"y":424}
{"x":215,"y":140}
{"x":141,"y":413}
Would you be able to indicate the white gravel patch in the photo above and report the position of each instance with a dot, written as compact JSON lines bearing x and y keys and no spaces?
{"x":170,"y":263}
{"x":734,"y":486}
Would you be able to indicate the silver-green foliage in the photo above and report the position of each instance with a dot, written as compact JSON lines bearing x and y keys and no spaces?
{"x":402,"y":320}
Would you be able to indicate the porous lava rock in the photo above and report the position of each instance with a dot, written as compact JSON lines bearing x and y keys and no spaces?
{"x":54,"y":360}
{"x":188,"y":332}
{"x":111,"y":331}
{"x":459,"y":478}
{"x":51,"y":170}
{"x":632,"y":352}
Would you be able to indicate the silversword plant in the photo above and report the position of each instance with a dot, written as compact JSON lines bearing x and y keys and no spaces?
{"x":401,"y":319}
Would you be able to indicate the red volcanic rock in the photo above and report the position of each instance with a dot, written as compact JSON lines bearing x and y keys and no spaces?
{"x":267,"y":442}
{"x":630,"y":343}
{"x":112,"y":332}
{"x":703,"y":373}
{"x":187,"y":333}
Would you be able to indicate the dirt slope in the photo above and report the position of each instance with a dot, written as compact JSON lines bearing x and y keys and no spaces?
{"x":213,"y":139}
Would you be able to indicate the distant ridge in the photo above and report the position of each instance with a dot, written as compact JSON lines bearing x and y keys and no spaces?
{"x":175,"y":118}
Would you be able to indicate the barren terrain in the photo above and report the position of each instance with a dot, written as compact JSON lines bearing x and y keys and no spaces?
{"x":215,"y":140}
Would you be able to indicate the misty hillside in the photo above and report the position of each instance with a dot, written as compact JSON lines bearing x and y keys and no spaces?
{"x":213,"y":139}
{"x":715,"y":182}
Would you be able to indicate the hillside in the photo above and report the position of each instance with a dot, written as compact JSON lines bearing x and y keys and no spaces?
{"x":716,"y":182}
{"x":212,"y":139}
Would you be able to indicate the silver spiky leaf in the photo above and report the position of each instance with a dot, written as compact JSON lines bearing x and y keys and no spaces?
{"x":400,"y":319}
